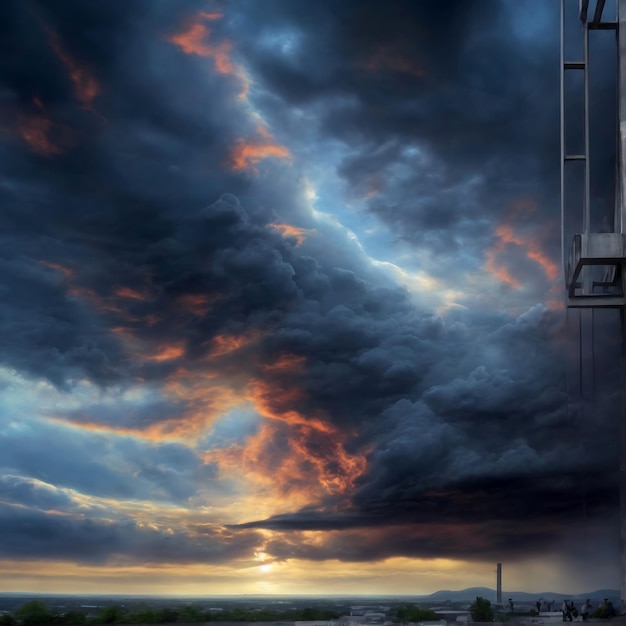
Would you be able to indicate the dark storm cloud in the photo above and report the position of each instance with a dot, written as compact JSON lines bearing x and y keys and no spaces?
{"x":36,"y":535}
{"x":47,"y":333}
{"x":94,"y":204}
{"x":497,"y":447}
{"x":137,"y":231}
{"x":450,"y":113}
{"x":137,"y":417}
{"x":32,"y":493}
{"x":440,"y":541}
{"x":496,"y":540}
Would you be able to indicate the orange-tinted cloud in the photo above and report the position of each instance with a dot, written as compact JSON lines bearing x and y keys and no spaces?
{"x":533,"y":250}
{"x":286,"y":230}
{"x":166,"y":353}
{"x":374,"y":187}
{"x":246,"y":154}
{"x":195,"y":303}
{"x":314,"y":442}
{"x":66,"y":271}
{"x":493,"y":266}
{"x":390,"y":59}
{"x":132,"y":294}
{"x":286,"y":363}
{"x":195,"y":39}
{"x":86,"y":87}
{"x":105,"y":303}
{"x":99,"y":302}
{"x":123,"y":331}
{"x":506,"y":236}
{"x":206,"y":396}
{"x":276,"y":403}
{"x":149,"y":433}
{"x":310,"y":461}
{"x":521,"y":208}
{"x":336,"y":470}
{"x":306,"y":466}
{"x":225,"y":344}
{"x":41,"y":135}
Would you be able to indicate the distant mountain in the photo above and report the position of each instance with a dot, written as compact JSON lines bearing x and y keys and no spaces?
{"x":464,"y":595}
{"x":470,"y":594}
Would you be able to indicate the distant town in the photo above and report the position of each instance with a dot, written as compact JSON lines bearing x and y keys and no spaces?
{"x":475,"y":604}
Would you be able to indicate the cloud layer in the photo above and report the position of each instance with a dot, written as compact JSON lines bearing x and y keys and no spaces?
{"x":287,"y":283}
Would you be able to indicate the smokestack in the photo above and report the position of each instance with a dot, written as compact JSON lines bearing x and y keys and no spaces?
{"x":499,"y":584}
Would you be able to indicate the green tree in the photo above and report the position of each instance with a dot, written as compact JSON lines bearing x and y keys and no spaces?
{"x":481,"y":610}
{"x":166,"y":615}
{"x":33,"y":613}
{"x":413,"y":613}
{"x":113,"y":614}
{"x":7,"y":620}
{"x":144,"y":615}
{"x":191,"y":613}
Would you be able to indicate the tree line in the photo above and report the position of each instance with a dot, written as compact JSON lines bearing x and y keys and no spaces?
{"x":37,"y":613}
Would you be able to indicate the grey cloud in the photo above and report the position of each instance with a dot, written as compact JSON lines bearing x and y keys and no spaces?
{"x":123,"y":468}
{"x":44,"y":331}
{"x":32,"y":534}
{"x":32,"y":493}
{"x":460,"y":417}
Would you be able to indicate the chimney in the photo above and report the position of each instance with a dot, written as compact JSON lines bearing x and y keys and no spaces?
{"x":499,"y":584}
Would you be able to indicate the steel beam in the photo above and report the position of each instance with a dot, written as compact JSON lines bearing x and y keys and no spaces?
{"x":595,"y":302}
{"x":620,"y":225}
{"x":593,"y":249}
{"x":602,"y":25}
{"x":583,"y":8}
{"x":622,"y":463}
{"x":597,"y":16}
{"x":619,"y":228}
{"x":563,"y":153}
{"x":587,"y":200}
{"x":597,"y":249}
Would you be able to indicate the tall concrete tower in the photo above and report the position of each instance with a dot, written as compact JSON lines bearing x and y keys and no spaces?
{"x":595,"y":262}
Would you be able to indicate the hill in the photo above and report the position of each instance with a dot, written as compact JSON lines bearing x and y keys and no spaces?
{"x":471,"y":593}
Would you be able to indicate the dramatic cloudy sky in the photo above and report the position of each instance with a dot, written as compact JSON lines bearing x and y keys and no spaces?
{"x":281,"y":302}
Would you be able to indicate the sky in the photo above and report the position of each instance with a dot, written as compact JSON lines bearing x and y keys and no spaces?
{"x":282,"y":306}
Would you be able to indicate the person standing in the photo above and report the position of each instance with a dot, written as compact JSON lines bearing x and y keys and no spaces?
{"x":567,"y":616}
{"x":584,"y":609}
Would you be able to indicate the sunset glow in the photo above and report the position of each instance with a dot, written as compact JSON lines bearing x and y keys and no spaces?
{"x":283,"y":309}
